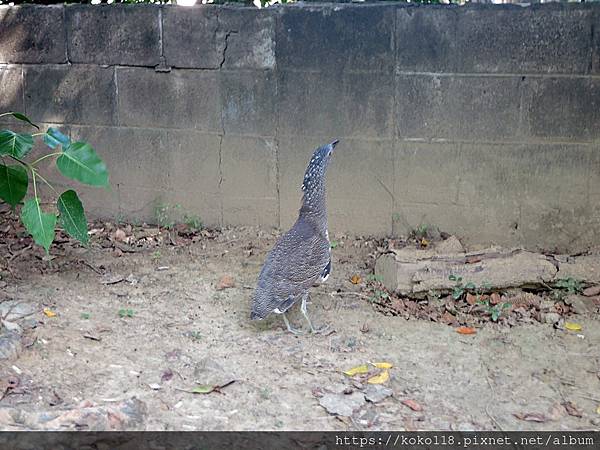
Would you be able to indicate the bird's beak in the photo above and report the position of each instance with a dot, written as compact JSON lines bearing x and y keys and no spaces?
{"x":334,"y":143}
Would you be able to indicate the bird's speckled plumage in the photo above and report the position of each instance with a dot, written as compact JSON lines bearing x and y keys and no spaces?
{"x":302,"y":256}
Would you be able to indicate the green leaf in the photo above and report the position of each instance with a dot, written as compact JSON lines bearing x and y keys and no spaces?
{"x":23,"y":118}
{"x":72,"y":217}
{"x":53,"y":138}
{"x":452,"y":277}
{"x":80,"y":162}
{"x":15,"y":144}
{"x":470,"y":285}
{"x":13,"y":184}
{"x":203,"y":389}
{"x":39,"y":224}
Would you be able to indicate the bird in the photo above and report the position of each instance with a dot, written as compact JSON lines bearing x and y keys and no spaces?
{"x":301,"y":257}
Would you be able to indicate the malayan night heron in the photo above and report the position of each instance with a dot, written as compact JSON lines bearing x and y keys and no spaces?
{"x":302,"y":256}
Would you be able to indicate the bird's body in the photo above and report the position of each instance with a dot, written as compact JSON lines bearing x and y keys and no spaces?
{"x":302,"y":256}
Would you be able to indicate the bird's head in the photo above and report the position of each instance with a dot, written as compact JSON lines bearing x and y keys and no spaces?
{"x":315,"y":172}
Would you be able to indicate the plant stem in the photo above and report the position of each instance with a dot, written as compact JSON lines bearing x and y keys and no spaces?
{"x":44,"y":157}
{"x":37,"y":134}
{"x":33,"y":179}
{"x":44,"y":180}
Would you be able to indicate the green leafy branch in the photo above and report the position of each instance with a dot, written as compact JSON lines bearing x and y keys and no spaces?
{"x":75,"y":160}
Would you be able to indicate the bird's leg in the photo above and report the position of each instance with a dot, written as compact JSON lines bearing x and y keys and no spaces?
{"x":290,"y":328}
{"x":305,"y":312}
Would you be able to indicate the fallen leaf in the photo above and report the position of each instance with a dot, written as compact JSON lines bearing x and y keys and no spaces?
{"x":531,"y":417}
{"x":355,"y":279}
{"x":573,"y":326}
{"x":49,"y":313}
{"x":119,"y":235}
{"x":471,"y":299}
{"x":572,"y":409}
{"x":379,"y":379}
{"x":412,"y":405}
{"x":424,"y":242}
{"x":598,"y":410}
{"x":166,"y":375}
{"x":207,"y":388}
{"x":356,"y":370}
{"x":383,"y":365}
{"x":494,"y":298}
{"x":466,"y":330}
{"x":225,"y":282}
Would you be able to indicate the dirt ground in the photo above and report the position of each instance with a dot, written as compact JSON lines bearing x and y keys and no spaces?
{"x":154,"y":323}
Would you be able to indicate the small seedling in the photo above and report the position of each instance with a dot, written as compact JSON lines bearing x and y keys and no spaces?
{"x":375,"y":278}
{"x":333,"y":244}
{"x":195,"y":335}
{"x":74,"y":160}
{"x":571,"y":285}
{"x":193,"y":222}
{"x":379,"y":294}
{"x":459,"y":289}
{"x":85,"y":316}
{"x":156,"y":255}
{"x":126,"y":313}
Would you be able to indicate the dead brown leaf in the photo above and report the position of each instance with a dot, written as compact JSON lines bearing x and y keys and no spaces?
{"x":572,"y":409}
{"x":466,"y":330}
{"x":531,"y":417}
{"x":355,"y":279}
{"x":225,"y":282}
{"x":412,"y":405}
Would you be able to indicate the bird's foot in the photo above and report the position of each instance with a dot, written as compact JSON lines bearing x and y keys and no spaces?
{"x":291,"y":329}
{"x":319,"y":330}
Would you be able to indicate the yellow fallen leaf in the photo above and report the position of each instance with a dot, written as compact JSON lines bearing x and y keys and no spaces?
{"x":598,"y":410}
{"x":49,"y":312}
{"x":356,"y":370}
{"x":383,"y":365}
{"x":572,"y":326}
{"x":355,"y":279}
{"x":424,"y":242}
{"x":379,"y":379}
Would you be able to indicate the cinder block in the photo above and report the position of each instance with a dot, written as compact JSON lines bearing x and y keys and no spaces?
{"x":151,"y":167}
{"x":191,"y":38}
{"x":32,"y":34}
{"x":114,"y":34}
{"x":359,"y":183}
{"x":178,"y":99}
{"x":194,"y":176}
{"x":70,"y":94}
{"x":336,"y":38}
{"x":524,"y":40}
{"x":248,"y":100}
{"x":352,"y":105}
{"x":425,"y":39}
{"x":248,"y":36}
{"x":11,"y":80}
{"x":564,"y":108}
{"x":499,"y":39}
{"x":249,"y":186}
{"x":427,"y":173}
{"x":526,"y":176}
{"x":480,"y":108}
{"x":473,"y":225}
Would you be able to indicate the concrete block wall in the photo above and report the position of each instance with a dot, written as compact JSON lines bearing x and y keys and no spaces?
{"x":481,"y":120}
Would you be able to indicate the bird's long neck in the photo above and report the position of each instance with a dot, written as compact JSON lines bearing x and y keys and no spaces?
{"x":314,"y":208}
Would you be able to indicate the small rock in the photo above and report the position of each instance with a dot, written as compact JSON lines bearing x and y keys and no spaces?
{"x":12,"y":326}
{"x":10,"y":345}
{"x":225,"y":282}
{"x":342,"y":405}
{"x":550,"y":318}
{"x":14,"y":310}
{"x":375,"y":393}
{"x":119,"y":235}
{"x":579,"y":304}
{"x":154,"y":386}
{"x":546,"y":305}
{"x":449,"y":246}
{"x":592,"y":291}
